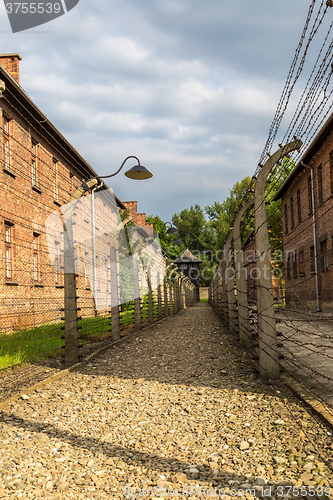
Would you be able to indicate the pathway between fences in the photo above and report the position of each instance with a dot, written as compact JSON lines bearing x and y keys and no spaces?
{"x":172,"y":411}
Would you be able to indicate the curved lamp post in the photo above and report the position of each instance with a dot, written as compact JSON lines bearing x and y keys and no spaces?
{"x":172,"y":229}
{"x":138,"y":172}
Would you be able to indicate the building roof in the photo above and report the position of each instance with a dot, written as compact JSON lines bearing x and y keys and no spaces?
{"x":187,"y":258}
{"x":319,"y":138}
{"x":24,"y":105}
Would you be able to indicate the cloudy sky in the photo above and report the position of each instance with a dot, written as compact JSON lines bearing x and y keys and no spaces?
{"x":188,"y":86}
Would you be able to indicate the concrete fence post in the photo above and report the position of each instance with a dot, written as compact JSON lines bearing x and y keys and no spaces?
{"x":224,"y":299}
{"x":70,"y":296}
{"x":115,"y":316}
{"x":150,"y":297}
{"x":159,"y":297}
{"x":241,"y":285}
{"x":137,"y":305}
{"x":230,"y":286}
{"x":165,"y":295}
{"x":268,"y":352}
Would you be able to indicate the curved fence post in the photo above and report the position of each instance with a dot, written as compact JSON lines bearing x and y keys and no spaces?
{"x":268,"y":352}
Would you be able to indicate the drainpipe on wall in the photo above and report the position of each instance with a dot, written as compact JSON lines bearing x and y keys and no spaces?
{"x":314,"y":235}
{"x":94,"y":241}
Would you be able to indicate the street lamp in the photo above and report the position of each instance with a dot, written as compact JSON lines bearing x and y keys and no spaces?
{"x":172,"y":229}
{"x":138,"y":172}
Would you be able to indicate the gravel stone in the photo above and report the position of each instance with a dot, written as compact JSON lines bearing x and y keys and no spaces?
{"x":174,"y":406}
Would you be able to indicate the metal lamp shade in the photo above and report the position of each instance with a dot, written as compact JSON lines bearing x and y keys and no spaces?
{"x":138,"y":172}
{"x":171,"y":230}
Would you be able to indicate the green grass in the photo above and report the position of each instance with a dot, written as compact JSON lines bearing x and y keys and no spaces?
{"x":35,"y":343}
{"x":203,"y":300}
{"x":45,"y":341}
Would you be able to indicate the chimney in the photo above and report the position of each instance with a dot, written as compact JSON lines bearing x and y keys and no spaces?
{"x":11,"y":63}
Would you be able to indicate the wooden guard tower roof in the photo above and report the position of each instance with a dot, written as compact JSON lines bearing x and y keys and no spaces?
{"x":187,"y":258}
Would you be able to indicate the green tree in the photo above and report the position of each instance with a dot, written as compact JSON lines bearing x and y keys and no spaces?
{"x":198,"y":236}
{"x":222,"y":214}
{"x":166,"y":240}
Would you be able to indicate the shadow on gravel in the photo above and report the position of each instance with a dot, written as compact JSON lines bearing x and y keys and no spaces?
{"x":152,"y":461}
{"x":187,"y":349}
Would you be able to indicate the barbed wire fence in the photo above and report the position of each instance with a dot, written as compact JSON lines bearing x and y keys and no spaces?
{"x":103,"y":302}
{"x":33,"y":324}
{"x":280,"y":326}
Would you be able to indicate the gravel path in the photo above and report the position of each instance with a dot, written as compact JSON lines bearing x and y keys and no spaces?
{"x":173,"y":410}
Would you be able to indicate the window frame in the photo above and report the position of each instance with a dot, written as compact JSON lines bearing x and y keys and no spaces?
{"x":34,"y":164}
{"x":320,"y":184}
{"x":323,"y":255}
{"x":310,"y":195}
{"x":286,"y":228}
{"x":7,"y":156}
{"x":36,"y":257}
{"x":295,"y":269}
{"x":299,"y":206}
{"x":55,"y":180}
{"x":288,"y":267}
{"x":292,"y":215}
{"x":9,"y":256}
{"x":301,"y":262}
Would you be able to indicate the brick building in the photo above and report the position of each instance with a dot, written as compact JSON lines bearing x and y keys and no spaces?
{"x":307,"y":217}
{"x":40,"y":169}
{"x":140,"y":219}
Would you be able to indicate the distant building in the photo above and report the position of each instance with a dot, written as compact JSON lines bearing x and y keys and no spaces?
{"x":189,"y":266}
{"x":307,"y":203}
{"x":139,"y":219}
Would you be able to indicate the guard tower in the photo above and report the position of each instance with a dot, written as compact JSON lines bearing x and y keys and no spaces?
{"x":189,"y":266}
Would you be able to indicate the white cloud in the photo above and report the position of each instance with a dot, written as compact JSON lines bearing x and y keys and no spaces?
{"x":190,"y":87}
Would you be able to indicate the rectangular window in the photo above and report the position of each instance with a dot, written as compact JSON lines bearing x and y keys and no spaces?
{"x":33,"y":173}
{"x":36,"y":263}
{"x":55,"y":180}
{"x":295,"y":264}
{"x":310,"y":195}
{"x":286,"y":218}
{"x":34,"y":179}
{"x":312,"y":260}
{"x":292,"y":219}
{"x":8,"y":251}
{"x":301,"y":263}
{"x":71,"y":182}
{"x":323,"y":255}
{"x":56,"y":263}
{"x":320,"y":184}
{"x":289,"y":267}
{"x":86,"y":264}
{"x":6,"y":144}
{"x":299,"y":208}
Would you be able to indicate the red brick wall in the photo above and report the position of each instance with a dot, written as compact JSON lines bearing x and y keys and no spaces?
{"x":301,"y":286}
{"x":11,"y":63}
{"x":139,"y":219}
{"x":25,"y":301}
